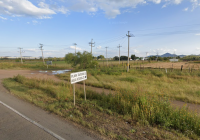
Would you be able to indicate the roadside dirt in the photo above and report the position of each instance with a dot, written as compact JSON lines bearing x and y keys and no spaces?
{"x":176,"y":65}
{"x":47,"y":75}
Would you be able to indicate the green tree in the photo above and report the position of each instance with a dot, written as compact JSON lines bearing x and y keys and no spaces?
{"x":84,"y":60}
{"x":133,"y":57}
{"x":116,"y":58}
{"x":100,"y":57}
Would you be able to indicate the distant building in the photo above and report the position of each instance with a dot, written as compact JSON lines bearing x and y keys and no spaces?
{"x":173,"y":60}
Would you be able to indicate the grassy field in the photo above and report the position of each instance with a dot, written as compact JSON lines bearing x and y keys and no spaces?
{"x":183,"y":86}
{"x":33,"y":65}
{"x":124,"y":115}
{"x":138,"y":107}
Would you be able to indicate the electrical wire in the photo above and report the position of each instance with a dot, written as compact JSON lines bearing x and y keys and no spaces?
{"x":169,"y":33}
{"x":166,"y":27}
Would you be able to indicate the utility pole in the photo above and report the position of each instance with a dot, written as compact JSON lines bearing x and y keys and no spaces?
{"x":106,"y":55}
{"x":41,"y":46}
{"x":91,"y":43}
{"x":119,"y":52}
{"x":75,"y":48}
{"x":128,"y":49}
{"x":21,"y":54}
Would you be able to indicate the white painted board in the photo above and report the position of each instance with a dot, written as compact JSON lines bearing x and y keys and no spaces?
{"x":78,"y":76}
{"x":49,"y":62}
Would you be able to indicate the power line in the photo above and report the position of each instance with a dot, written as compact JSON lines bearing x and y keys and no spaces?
{"x":169,"y":33}
{"x":166,"y":27}
{"x":113,"y":40}
{"x":110,"y":38}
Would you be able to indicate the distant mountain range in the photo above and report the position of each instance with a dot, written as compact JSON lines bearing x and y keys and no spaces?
{"x":168,"y":55}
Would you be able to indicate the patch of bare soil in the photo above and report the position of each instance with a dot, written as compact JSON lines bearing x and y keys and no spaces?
{"x":176,"y":65}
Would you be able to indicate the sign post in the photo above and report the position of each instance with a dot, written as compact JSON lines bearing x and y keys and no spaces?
{"x":49,"y":63}
{"x":74,"y":93}
{"x":78,"y":77}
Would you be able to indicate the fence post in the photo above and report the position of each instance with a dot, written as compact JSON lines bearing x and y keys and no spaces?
{"x":74,"y":93}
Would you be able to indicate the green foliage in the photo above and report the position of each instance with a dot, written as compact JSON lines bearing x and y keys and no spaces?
{"x":133,"y":57}
{"x":116,"y":58}
{"x":100,"y":57}
{"x":148,"y":110}
{"x":157,"y":73}
{"x":191,"y":58}
{"x":130,"y":79}
{"x":84,"y":60}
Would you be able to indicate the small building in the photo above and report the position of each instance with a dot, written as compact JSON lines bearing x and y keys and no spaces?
{"x":173,"y":60}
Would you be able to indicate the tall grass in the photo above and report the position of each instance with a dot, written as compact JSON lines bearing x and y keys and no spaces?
{"x":32,"y":65}
{"x":183,"y":86}
{"x":134,"y":104}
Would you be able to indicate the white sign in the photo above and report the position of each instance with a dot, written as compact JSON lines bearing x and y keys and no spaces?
{"x":49,"y":62}
{"x":78,"y":76}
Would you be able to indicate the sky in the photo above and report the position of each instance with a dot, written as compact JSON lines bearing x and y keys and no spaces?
{"x":156,"y":27}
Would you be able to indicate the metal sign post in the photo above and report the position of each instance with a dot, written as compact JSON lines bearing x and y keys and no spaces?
{"x":78,"y":77}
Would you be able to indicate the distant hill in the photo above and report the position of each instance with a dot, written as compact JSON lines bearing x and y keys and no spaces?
{"x":168,"y":55}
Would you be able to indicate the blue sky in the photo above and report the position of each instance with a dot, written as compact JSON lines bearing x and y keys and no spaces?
{"x":158,"y":26}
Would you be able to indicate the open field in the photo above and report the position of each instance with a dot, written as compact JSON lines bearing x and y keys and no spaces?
{"x":174,"y":65}
{"x":123,"y":115}
{"x":137,"y":108}
{"x":33,"y":65}
{"x":183,"y":86}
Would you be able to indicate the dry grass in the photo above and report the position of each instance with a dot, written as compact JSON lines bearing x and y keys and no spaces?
{"x":96,"y":114}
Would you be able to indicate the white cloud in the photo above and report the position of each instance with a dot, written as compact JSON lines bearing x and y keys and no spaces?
{"x":77,"y":48}
{"x":111,"y":8}
{"x":3,"y":18}
{"x":99,"y":47}
{"x":177,"y":1}
{"x":136,"y":51}
{"x":35,"y":22}
{"x":63,"y":10}
{"x":195,"y":4}
{"x":161,"y":51}
{"x":197,"y":34}
{"x":24,"y":8}
{"x":186,"y":9}
{"x":156,"y":1}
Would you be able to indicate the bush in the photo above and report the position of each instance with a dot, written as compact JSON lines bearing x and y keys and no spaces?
{"x":84,"y":60}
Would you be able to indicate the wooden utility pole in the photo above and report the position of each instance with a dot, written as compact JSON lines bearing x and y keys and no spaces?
{"x":128,"y":50}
